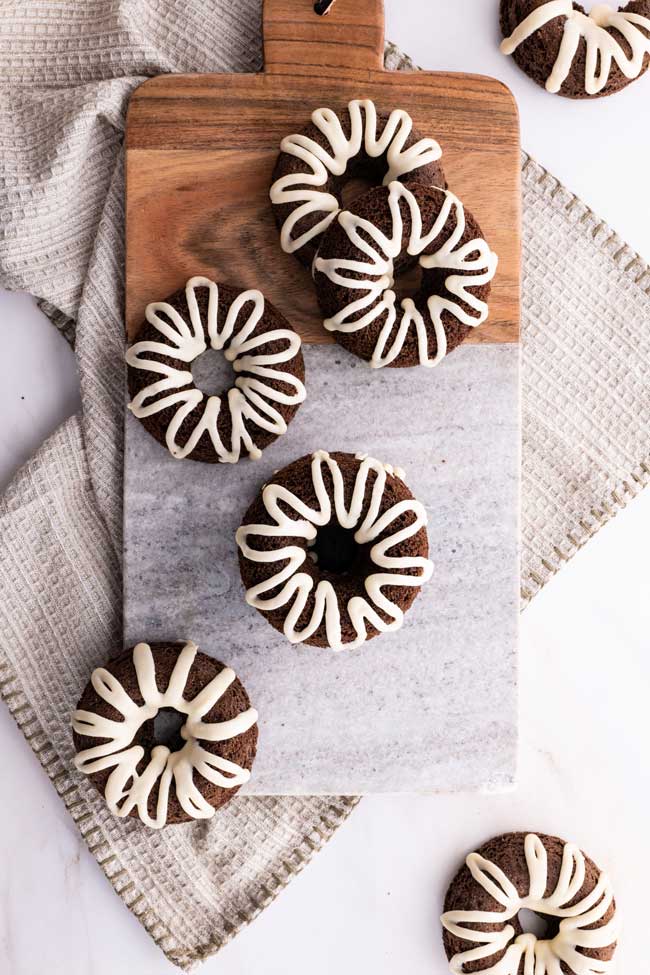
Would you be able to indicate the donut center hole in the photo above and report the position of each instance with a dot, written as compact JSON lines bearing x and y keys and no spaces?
{"x":167,"y":729}
{"x":407,"y":282}
{"x":335,"y":550}
{"x":543,"y":927}
{"x":212,"y":373}
{"x":356,"y":186}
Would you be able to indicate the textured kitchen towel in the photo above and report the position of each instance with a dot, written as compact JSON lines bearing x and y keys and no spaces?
{"x":67,"y":69}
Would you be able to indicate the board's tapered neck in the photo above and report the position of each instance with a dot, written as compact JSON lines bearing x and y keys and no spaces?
{"x":299,"y":41}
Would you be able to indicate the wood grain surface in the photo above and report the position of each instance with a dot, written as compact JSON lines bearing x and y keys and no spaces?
{"x":200,"y":150}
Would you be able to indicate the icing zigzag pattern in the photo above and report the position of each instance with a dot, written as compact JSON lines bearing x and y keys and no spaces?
{"x":305,"y":187}
{"x":251,"y":399}
{"x":297,"y":586}
{"x":128,"y":789}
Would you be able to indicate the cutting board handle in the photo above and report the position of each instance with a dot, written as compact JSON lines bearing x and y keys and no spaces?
{"x":297,"y":40}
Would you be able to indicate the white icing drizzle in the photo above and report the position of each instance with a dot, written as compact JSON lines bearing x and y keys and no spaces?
{"x":377,"y":283}
{"x":297,"y":586}
{"x":250,"y":399}
{"x":296,"y":187}
{"x":540,"y":957}
{"x":164,"y":766}
{"x":602,"y":47}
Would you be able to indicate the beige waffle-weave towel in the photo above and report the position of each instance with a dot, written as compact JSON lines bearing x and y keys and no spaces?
{"x":68,"y":69}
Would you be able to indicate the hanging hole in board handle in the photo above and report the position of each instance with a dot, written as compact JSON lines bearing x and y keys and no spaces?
{"x":323,"y":7}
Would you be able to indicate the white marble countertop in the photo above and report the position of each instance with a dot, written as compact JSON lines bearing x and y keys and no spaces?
{"x":370,"y":900}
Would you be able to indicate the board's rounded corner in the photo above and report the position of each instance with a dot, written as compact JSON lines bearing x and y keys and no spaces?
{"x":505,"y":91}
{"x":136,"y":97}
{"x":153,"y":82}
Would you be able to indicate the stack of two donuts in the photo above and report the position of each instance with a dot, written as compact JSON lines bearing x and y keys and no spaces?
{"x":409,"y":217}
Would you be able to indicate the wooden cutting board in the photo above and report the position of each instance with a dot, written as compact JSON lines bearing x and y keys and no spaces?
{"x":200,"y":150}
{"x":432,"y":707}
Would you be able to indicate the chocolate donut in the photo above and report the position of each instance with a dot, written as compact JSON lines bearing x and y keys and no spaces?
{"x":203,"y":764}
{"x":315,"y":164}
{"x":264,"y":350}
{"x":334,"y":550}
{"x":574,"y":53}
{"x":385,"y":232}
{"x":544,"y":874}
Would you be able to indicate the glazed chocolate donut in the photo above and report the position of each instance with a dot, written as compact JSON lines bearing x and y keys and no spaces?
{"x":574,"y":53}
{"x":334,"y":550}
{"x":384,"y":233}
{"x":203,"y":765}
{"x":314,"y":165}
{"x":481,"y":927}
{"x":264,"y":351}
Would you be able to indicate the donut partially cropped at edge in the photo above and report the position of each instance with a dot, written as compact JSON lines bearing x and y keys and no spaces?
{"x":482,"y":931}
{"x":550,"y":40}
